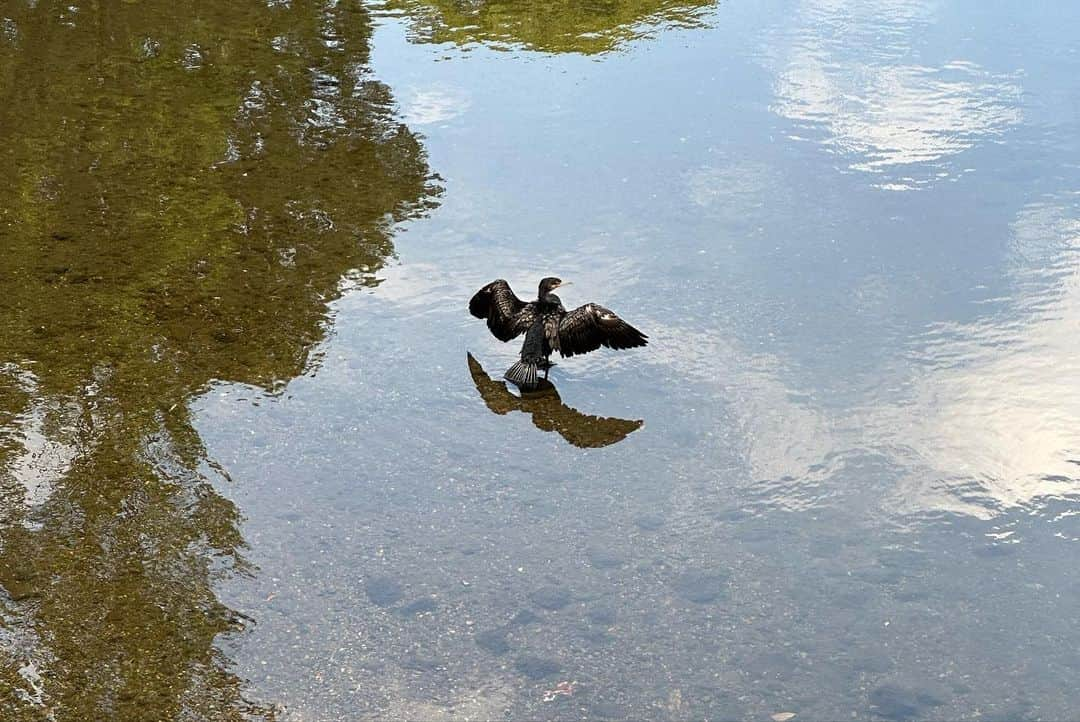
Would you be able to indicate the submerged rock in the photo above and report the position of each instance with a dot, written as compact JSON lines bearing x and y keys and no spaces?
{"x":494,"y":641}
{"x":524,"y":617}
{"x":897,"y":703}
{"x":702,"y":586}
{"x":536,"y":667}
{"x":649,"y":522}
{"x":604,"y":558}
{"x":604,"y":616}
{"x":551,"y":597}
{"x":420,"y":663}
{"x":383,"y":591}
{"x":420,"y":606}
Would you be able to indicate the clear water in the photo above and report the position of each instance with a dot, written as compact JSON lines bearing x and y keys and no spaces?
{"x":250,"y":472}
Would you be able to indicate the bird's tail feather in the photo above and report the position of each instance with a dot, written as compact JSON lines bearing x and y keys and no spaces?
{"x":524,"y":375}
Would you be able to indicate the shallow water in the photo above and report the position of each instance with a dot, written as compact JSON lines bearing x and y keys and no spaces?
{"x":250,"y":472}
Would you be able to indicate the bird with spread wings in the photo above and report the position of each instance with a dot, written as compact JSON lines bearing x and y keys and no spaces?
{"x":548,"y":327}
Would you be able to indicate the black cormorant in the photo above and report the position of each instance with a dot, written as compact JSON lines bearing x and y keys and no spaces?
{"x":548,"y":327}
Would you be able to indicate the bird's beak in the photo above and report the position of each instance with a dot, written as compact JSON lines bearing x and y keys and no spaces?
{"x":565,"y":283}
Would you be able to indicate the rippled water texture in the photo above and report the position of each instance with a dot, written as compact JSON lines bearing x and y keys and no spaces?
{"x":257,"y":459}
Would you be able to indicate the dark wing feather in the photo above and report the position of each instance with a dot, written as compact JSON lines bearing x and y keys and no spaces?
{"x":589,"y":327}
{"x":507,"y":315}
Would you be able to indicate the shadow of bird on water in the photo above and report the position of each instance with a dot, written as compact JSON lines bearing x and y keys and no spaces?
{"x":549,"y":413}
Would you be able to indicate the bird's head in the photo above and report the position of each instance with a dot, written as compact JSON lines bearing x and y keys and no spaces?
{"x":549,"y":284}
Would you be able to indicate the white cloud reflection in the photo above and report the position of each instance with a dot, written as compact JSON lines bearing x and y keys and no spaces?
{"x":428,"y":106}
{"x":994,"y":421}
{"x":781,"y":441}
{"x":849,"y":71}
{"x":983,"y":417}
{"x":42,"y":452}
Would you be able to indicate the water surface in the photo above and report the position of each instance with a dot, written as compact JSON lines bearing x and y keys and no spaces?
{"x":251,"y":472}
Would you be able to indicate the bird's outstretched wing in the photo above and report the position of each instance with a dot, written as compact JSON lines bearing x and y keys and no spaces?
{"x":589,"y":327}
{"x":507,"y":315}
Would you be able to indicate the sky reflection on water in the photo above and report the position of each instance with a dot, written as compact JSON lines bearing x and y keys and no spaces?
{"x":855,"y":72}
{"x":841,"y":480}
{"x":852,"y":490}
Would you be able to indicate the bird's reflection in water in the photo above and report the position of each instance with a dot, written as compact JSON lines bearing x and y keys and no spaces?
{"x":549,"y":413}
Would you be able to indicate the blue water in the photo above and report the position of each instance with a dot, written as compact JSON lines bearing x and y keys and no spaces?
{"x":852,"y":233}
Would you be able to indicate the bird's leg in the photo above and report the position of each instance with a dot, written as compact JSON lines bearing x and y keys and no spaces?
{"x":547,"y":366}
